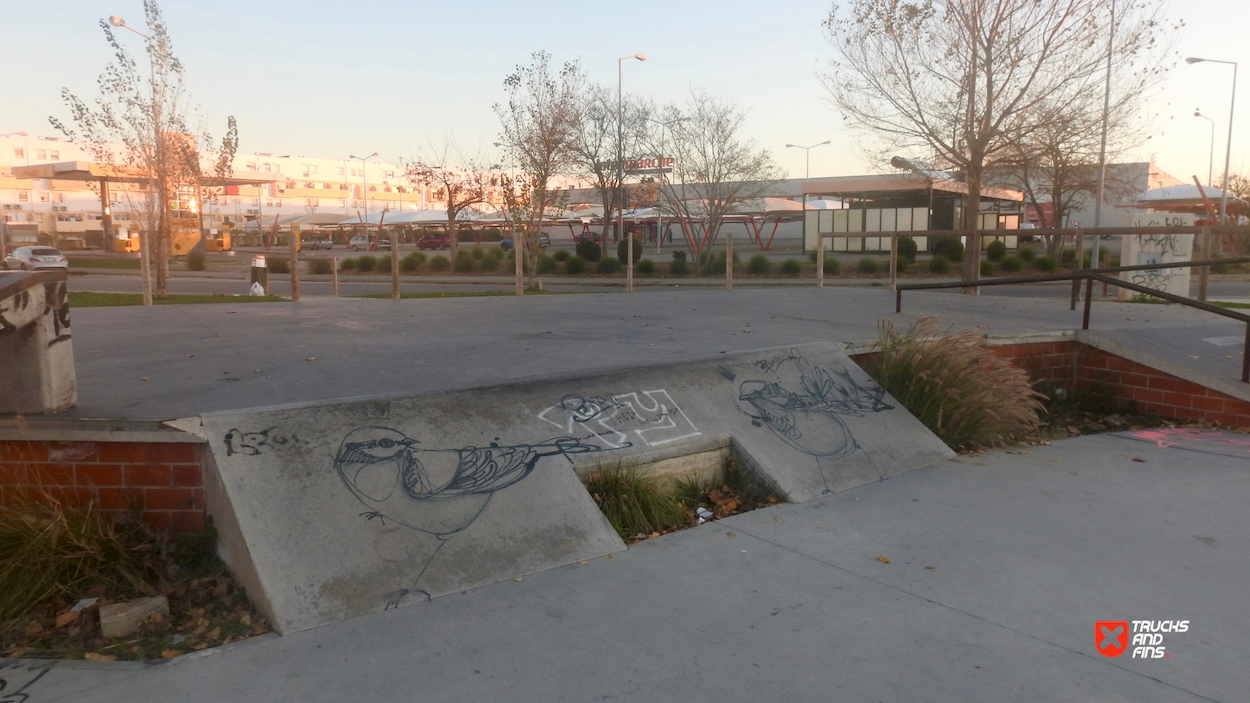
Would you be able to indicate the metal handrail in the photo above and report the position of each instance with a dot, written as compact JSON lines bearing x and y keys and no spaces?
{"x":1091,"y":275}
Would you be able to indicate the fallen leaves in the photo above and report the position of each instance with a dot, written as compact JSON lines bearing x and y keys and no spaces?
{"x":883,"y":560}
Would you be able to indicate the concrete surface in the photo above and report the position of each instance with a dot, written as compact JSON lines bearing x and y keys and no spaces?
{"x":1030,"y":547}
{"x":37,"y":372}
{"x":184,"y":360}
{"x":335,"y":510}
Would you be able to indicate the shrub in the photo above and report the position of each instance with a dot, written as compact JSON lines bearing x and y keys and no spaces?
{"x":646,"y":267}
{"x":496,"y":254}
{"x":1068,"y":255}
{"x":561,"y":255}
{"x":546,"y":264}
{"x":679,"y":256}
{"x":439,"y":263}
{"x":715,"y":263}
{"x":633,"y":502}
{"x":478,"y":253}
{"x":939,"y":264}
{"x":464,"y":263}
{"x":1221,"y":268}
{"x":1011,"y":264}
{"x":907,"y":248}
{"x":196,"y":261}
{"x":759,"y":265}
{"x":791,"y":267}
{"x":347,"y":264}
{"x":320,"y":266}
{"x":621,"y":253}
{"x":464,"y":254}
{"x":1026,"y":254}
{"x":996,"y":250}
{"x":589,"y":250}
{"x":278,"y":265}
{"x":955,"y":384}
{"x":412,"y":262}
{"x":366,"y":263}
{"x":949,"y":246}
{"x":987,"y":268}
{"x":574,"y":265}
{"x":608,"y":265}
{"x":866,"y":265}
{"x":488,"y":264}
{"x":903,"y":264}
{"x":384,"y":263}
{"x":832,"y":265}
{"x":679,"y":267}
{"x":1046,"y":264}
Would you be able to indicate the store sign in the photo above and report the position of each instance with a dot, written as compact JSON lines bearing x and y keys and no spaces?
{"x":643,"y":166}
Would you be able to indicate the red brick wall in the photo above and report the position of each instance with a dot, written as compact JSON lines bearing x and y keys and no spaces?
{"x":1128,"y":384}
{"x":165,"y":479}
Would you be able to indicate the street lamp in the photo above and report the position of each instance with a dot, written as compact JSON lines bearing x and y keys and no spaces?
{"x":159,"y":200}
{"x":807,"y":172}
{"x":1211,"y":149}
{"x":620,"y":168}
{"x":659,"y":236}
{"x":364,"y":178}
{"x":1228,"y":153}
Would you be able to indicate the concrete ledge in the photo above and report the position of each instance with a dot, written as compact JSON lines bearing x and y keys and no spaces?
{"x":1235,"y":389}
{"x":73,"y":430}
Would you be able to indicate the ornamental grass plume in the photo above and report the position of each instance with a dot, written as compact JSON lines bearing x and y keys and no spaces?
{"x":955,"y":385}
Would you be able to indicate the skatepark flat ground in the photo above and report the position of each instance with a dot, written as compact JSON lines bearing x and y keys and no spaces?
{"x":182,"y":360}
{"x":1029,"y":548}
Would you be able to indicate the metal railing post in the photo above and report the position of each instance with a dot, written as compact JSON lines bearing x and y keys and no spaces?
{"x":1204,"y":247}
{"x":820,"y":262}
{"x":898,"y":300}
{"x":1245,"y":357}
{"x":893,"y":260}
{"x":1078,"y":262}
{"x":1089,"y":295}
{"x":729,"y":261}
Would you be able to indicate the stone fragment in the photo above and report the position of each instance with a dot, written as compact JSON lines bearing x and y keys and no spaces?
{"x":121,"y":619}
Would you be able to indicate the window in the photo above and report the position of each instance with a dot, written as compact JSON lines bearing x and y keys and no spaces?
{"x":45,"y":197}
{"x":41,"y":154}
{"x":389,"y":174}
{"x":256,"y":202}
{"x":19,"y":152}
{"x":340,"y":170}
{"x":58,"y":197}
{"x":251,"y":166}
{"x":277,"y":202}
{"x":56,"y":155}
{"x":326,"y":186}
{"x":269,"y":202}
{"x":342,"y":203}
{"x":314,"y":168}
{"x":268,"y":167}
{"x":23,"y":196}
{"x":312,"y":201}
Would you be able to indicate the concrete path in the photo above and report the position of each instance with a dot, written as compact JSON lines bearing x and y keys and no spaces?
{"x":1029,"y":549}
{"x":183,"y":360}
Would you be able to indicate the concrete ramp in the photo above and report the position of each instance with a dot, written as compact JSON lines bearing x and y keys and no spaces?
{"x":331,"y":511}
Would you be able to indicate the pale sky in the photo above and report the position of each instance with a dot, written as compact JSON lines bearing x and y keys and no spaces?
{"x":329,"y":79}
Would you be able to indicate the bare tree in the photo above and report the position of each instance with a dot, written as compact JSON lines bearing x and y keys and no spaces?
{"x":596,"y":146}
{"x":459,"y":181}
{"x":970,"y":79}
{"x":538,"y":123}
{"x":139,"y":127}
{"x":715,"y":167}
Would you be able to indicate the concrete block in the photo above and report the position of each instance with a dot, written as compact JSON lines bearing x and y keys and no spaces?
{"x":121,"y":619}
{"x":336,"y":510}
{"x":37,"y":374}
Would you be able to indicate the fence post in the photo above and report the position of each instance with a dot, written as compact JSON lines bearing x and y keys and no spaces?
{"x":893,"y":260}
{"x":1204,"y":252}
{"x":335,"y":272}
{"x":518,"y":240}
{"x":395,"y":266}
{"x":293,"y":242}
{"x":820,"y":262}
{"x":1078,"y":263}
{"x":729,"y":261}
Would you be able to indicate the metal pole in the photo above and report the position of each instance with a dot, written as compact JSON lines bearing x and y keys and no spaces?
{"x":820,"y":260}
{"x":1102,"y":154}
{"x":1078,"y":262}
{"x":1228,"y":152}
{"x":729,"y":261}
{"x":894,"y":261}
{"x":1089,"y":296}
{"x":1204,"y":252}
{"x":518,"y":245}
{"x":1245,"y":357}
{"x":898,"y":300}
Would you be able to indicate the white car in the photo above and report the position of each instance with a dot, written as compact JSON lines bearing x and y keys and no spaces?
{"x":35,"y":258}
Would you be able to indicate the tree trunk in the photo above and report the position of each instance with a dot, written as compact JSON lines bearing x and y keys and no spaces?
{"x":972,"y":226}
{"x":161,"y":249}
{"x":452,"y":232}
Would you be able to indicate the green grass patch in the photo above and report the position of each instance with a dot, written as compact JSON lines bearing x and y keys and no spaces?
{"x":101,"y":262}
{"x":467,"y":294}
{"x":99,"y":300}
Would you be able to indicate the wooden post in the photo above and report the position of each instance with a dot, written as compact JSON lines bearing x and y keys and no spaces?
{"x":518,"y":240}
{"x":629,"y":263}
{"x":292,"y":241}
{"x":820,"y":262}
{"x":335,"y":273}
{"x":1204,"y":252}
{"x":729,"y":261}
{"x":894,"y":261}
{"x":395,"y":265}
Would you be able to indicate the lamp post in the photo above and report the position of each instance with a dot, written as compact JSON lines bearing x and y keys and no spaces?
{"x":145,"y":255}
{"x":1228,"y":152}
{"x":364,"y":191}
{"x":807,"y":172}
{"x":659,"y":237}
{"x":620,"y":168}
{"x":1211,"y":149}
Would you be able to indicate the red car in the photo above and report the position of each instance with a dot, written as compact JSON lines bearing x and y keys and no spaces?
{"x":434,"y":242}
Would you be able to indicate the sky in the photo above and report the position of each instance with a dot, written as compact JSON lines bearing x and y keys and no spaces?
{"x":329,"y":79}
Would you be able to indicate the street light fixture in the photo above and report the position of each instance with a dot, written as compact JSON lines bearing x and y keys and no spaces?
{"x":1228,"y":153}
{"x":807,"y":172}
{"x":364,"y":178}
{"x":620,"y":168}
{"x":1211,"y":149}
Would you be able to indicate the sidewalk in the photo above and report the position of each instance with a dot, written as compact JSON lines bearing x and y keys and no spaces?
{"x":1029,"y":548}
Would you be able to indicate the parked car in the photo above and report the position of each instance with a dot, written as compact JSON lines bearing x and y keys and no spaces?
{"x":544,"y":241}
{"x":434,"y":241}
{"x":361,"y":241}
{"x":35,"y":258}
{"x":506,"y":243}
{"x":318,"y":241}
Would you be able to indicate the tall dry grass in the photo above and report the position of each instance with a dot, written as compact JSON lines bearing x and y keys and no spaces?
{"x":48,"y":548}
{"x":955,"y":385}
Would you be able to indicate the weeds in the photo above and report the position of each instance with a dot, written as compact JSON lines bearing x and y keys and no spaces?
{"x":955,"y":385}
{"x":196,"y":261}
{"x":320,"y":266}
{"x":633,"y":502}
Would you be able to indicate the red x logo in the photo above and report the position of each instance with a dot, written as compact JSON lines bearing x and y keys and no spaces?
{"x":1111,"y":636}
